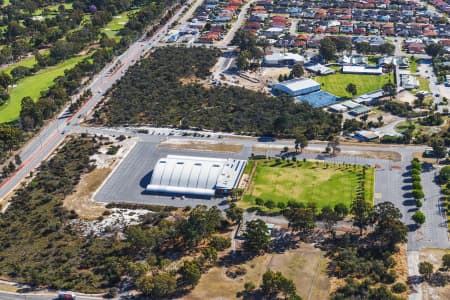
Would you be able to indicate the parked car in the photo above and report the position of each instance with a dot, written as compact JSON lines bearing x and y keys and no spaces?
{"x":67,"y":295}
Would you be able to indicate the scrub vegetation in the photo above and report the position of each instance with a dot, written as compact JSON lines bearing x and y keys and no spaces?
{"x":152,"y":92}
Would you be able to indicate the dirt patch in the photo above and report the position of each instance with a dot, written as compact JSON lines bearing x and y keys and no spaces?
{"x":305,"y":266}
{"x":406,"y":97}
{"x":201,"y":145}
{"x":419,"y":156}
{"x":81,"y":201}
{"x":434,"y":256}
{"x":385,"y":155}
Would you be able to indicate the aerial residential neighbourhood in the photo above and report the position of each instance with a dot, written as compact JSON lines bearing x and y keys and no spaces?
{"x":224,"y":149}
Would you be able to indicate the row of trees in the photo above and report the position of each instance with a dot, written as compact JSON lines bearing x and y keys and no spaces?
{"x":331,"y":45}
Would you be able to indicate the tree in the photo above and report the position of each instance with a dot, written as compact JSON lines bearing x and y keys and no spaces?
{"x":209,"y":254}
{"x":380,"y":120}
{"x":327,"y":48}
{"x":333,"y":143}
{"x":301,"y":220}
{"x":444,"y":175}
{"x":419,"y":218}
{"x":234,"y":213}
{"x":220,"y":243}
{"x":297,"y":70}
{"x":425,"y":269}
{"x":243,"y":60}
{"x":389,"y":228}
{"x":439,"y":148}
{"x":256,"y":236}
{"x":341,"y":210}
{"x":390,"y":89}
{"x":158,"y":286}
{"x":190,"y":272}
{"x":274,"y":283}
{"x":434,"y":49}
{"x":387,"y":49}
{"x":446,"y":261}
{"x":301,"y":142}
{"x":202,"y":222}
{"x":362,"y":213}
{"x":5,"y":80}
{"x":363,"y":48}
{"x":351,"y":88}
{"x":330,"y":218}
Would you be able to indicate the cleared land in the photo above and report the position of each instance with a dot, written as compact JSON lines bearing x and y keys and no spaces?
{"x":32,"y":86}
{"x":305,"y":266}
{"x":321,"y":183}
{"x":434,"y":256}
{"x":202,"y":146}
{"x":337,"y":83}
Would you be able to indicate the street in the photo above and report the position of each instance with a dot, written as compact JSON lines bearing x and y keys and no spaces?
{"x":43,"y":144}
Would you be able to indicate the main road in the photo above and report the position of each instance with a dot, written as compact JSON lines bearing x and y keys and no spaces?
{"x":42,"y":145}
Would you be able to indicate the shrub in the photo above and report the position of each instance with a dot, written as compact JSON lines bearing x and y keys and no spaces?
{"x":270,"y":204}
{"x":418,"y":194}
{"x":419,"y":203}
{"x":419,"y":217}
{"x":220,"y":243}
{"x":259,"y":201}
{"x":399,"y":288}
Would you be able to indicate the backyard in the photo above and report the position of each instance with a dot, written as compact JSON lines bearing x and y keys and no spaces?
{"x":32,"y":86}
{"x":336,"y":83}
{"x":321,"y":183}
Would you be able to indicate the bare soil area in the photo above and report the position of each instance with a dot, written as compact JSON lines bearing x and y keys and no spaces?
{"x":201,"y":145}
{"x":386,"y":155}
{"x":305,"y":266}
{"x":81,"y":201}
{"x":434,"y":256}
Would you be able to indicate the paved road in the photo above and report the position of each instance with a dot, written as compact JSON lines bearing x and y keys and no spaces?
{"x":425,"y":70}
{"x":236,"y":25}
{"x":41,"y":146}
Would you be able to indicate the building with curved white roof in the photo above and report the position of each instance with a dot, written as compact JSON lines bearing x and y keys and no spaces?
{"x":193,"y":175}
{"x":297,"y":86}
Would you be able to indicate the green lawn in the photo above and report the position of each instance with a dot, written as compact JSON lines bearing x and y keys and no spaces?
{"x":412,"y":65}
{"x":424,"y":84}
{"x":52,"y":8}
{"x":324,"y":184}
{"x":337,"y":83}
{"x":32,"y":86}
{"x":26,"y":62}
{"x":118,"y":22}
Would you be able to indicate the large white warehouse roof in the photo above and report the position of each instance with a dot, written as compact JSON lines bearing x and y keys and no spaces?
{"x":298,"y":86}
{"x":195,"y":175}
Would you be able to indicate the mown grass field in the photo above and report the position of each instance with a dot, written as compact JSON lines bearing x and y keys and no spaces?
{"x":321,"y":183}
{"x":118,"y":22}
{"x":52,"y":8}
{"x":32,"y":86}
{"x":337,"y":83}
